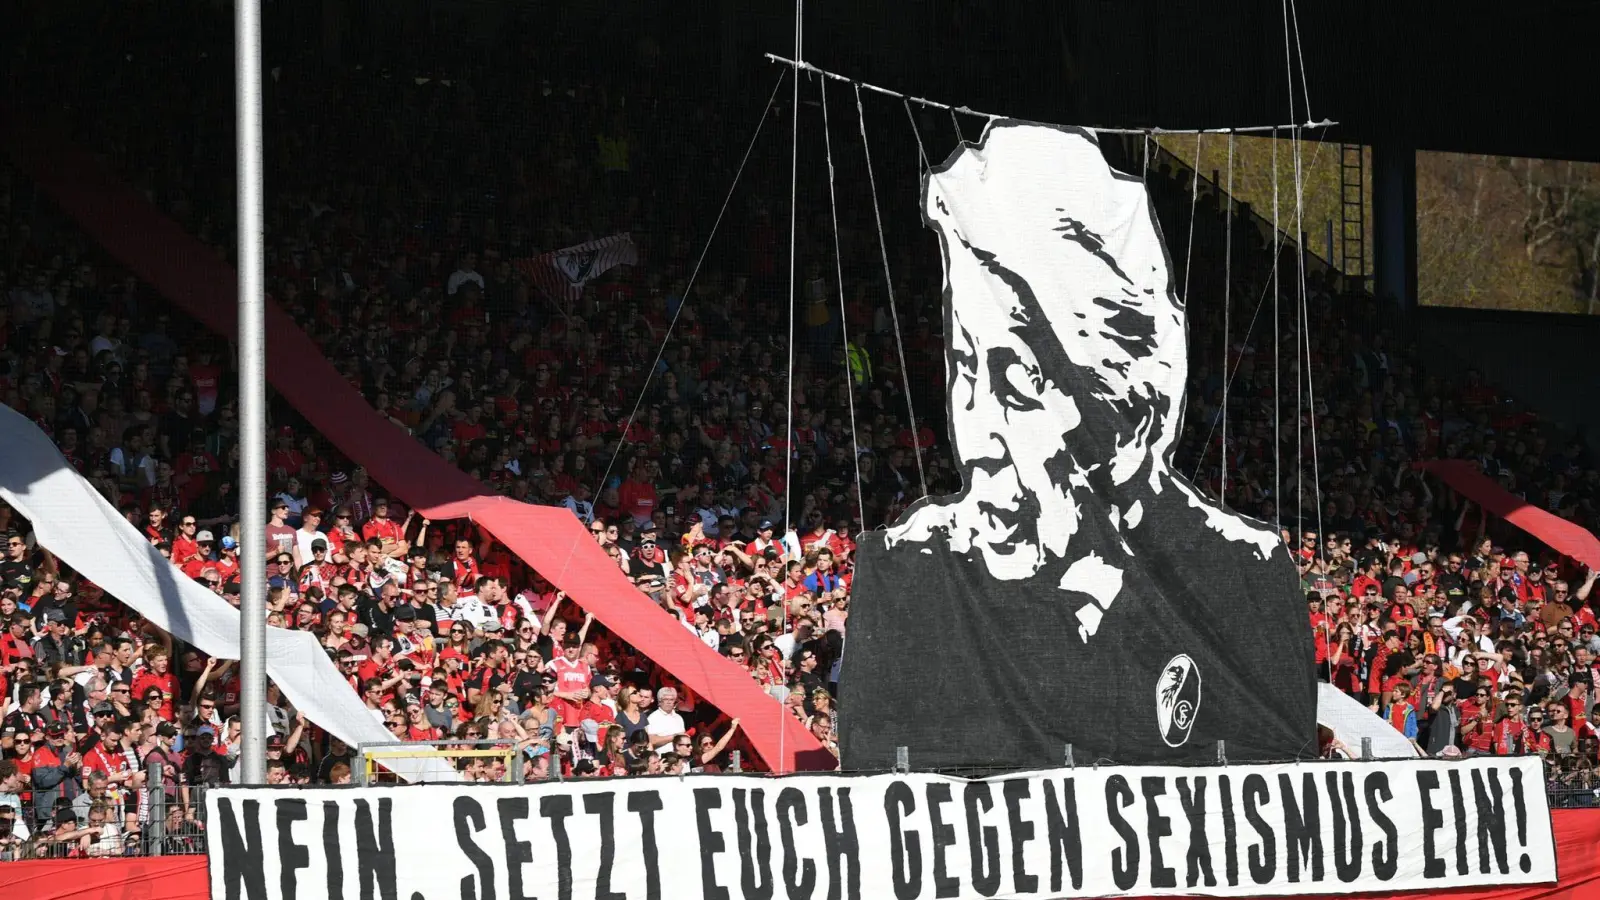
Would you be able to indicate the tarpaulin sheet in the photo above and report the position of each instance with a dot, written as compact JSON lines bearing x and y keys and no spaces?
{"x":1077,"y":590}
{"x":1577,"y":834}
{"x":74,"y":522}
{"x":1351,"y":721}
{"x":550,"y":539}
{"x":1560,"y":535}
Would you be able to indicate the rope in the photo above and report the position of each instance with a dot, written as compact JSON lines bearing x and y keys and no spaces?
{"x":1299,"y":361}
{"x":788,"y":438}
{"x":1194,"y":204}
{"x":1300,"y":56}
{"x":1277,"y":354}
{"x":888,"y":281}
{"x":922,"y":152}
{"x":689,"y":287}
{"x":1261,"y":299}
{"x":1305,"y":336}
{"x":1227,"y":300}
{"x":1227,"y":381}
{"x":794,"y":168}
{"x":844,"y":323}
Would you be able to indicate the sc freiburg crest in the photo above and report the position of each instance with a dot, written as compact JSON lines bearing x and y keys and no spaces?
{"x":1177,"y":699}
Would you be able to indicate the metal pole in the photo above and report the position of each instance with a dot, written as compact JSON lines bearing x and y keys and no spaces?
{"x":902,"y":760}
{"x":252,"y":396}
{"x":155,"y":830}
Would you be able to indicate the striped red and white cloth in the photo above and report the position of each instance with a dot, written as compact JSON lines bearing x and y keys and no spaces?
{"x":561,"y":274}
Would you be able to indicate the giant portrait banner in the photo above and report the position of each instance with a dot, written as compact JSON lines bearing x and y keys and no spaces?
{"x":1292,"y":828}
{"x":1077,"y":589}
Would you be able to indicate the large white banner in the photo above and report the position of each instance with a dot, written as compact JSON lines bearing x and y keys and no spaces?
{"x":1335,"y":827}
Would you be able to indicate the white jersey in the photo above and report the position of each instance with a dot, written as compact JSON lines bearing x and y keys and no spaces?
{"x":473,"y":611}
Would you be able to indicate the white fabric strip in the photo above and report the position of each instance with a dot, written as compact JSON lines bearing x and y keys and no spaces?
{"x":75,"y":523}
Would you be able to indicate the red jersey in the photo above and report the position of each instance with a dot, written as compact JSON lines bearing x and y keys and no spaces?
{"x":227,"y":567}
{"x":289,"y":461}
{"x":318,"y":576}
{"x":1376,"y":682}
{"x":599,"y":712}
{"x":111,"y":762}
{"x":184,"y":549}
{"x":168,"y":684}
{"x":1398,"y":713}
{"x":1483,"y":738}
{"x":638,"y":499}
{"x":571,"y":677}
{"x":1508,"y":737}
{"x":466,"y":575}
{"x":1536,"y":742}
{"x":1404,"y":616}
{"x":382,"y":529}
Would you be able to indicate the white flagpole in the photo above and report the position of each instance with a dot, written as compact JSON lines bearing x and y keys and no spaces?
{"x":252,"y":395}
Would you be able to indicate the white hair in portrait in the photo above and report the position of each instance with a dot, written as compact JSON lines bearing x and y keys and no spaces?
{"x":1067,"y":358}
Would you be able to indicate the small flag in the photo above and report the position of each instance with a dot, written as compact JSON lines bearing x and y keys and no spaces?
{"x":562,"y":273}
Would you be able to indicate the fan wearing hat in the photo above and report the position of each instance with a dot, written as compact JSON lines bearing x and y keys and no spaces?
{"x":203,"y":555}
{"x":763,"y":541}
{"x":57,"y":770}
{"x":319,"y":570}
{"x":600,"y":706}
{"x":57,"y":644}
{"x":648,"y":554}
{"x":309,"y":532}
{"x":203,"y":765}
{"x":387,"y":532}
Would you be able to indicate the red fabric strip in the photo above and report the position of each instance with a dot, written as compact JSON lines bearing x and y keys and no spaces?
{"x":1561,"y":535}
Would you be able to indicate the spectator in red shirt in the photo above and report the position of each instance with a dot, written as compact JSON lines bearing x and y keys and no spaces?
{"x":390,"y":534}
{"x":158,"y":676}
{"x":573,"y":677}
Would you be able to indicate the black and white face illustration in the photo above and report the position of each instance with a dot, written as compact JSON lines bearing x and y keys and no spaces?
{"x":1066,"y":360}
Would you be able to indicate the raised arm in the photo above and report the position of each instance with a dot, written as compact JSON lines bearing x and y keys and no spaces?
{"x":721,"y":744}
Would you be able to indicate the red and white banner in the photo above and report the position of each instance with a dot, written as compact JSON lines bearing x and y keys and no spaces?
{"x":561,"y":274}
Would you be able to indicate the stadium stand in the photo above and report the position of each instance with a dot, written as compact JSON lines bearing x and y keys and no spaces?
{"x":398,"y":212}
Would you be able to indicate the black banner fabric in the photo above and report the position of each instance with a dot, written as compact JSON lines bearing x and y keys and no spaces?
{"x":1078,"y":590}
{"x":1296,"y":828}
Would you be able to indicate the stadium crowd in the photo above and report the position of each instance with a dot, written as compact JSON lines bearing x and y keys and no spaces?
{"x":396,"y":255}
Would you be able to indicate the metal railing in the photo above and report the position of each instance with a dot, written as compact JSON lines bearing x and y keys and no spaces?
{"x":163,"y":818}
{"x":368,"y":763}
